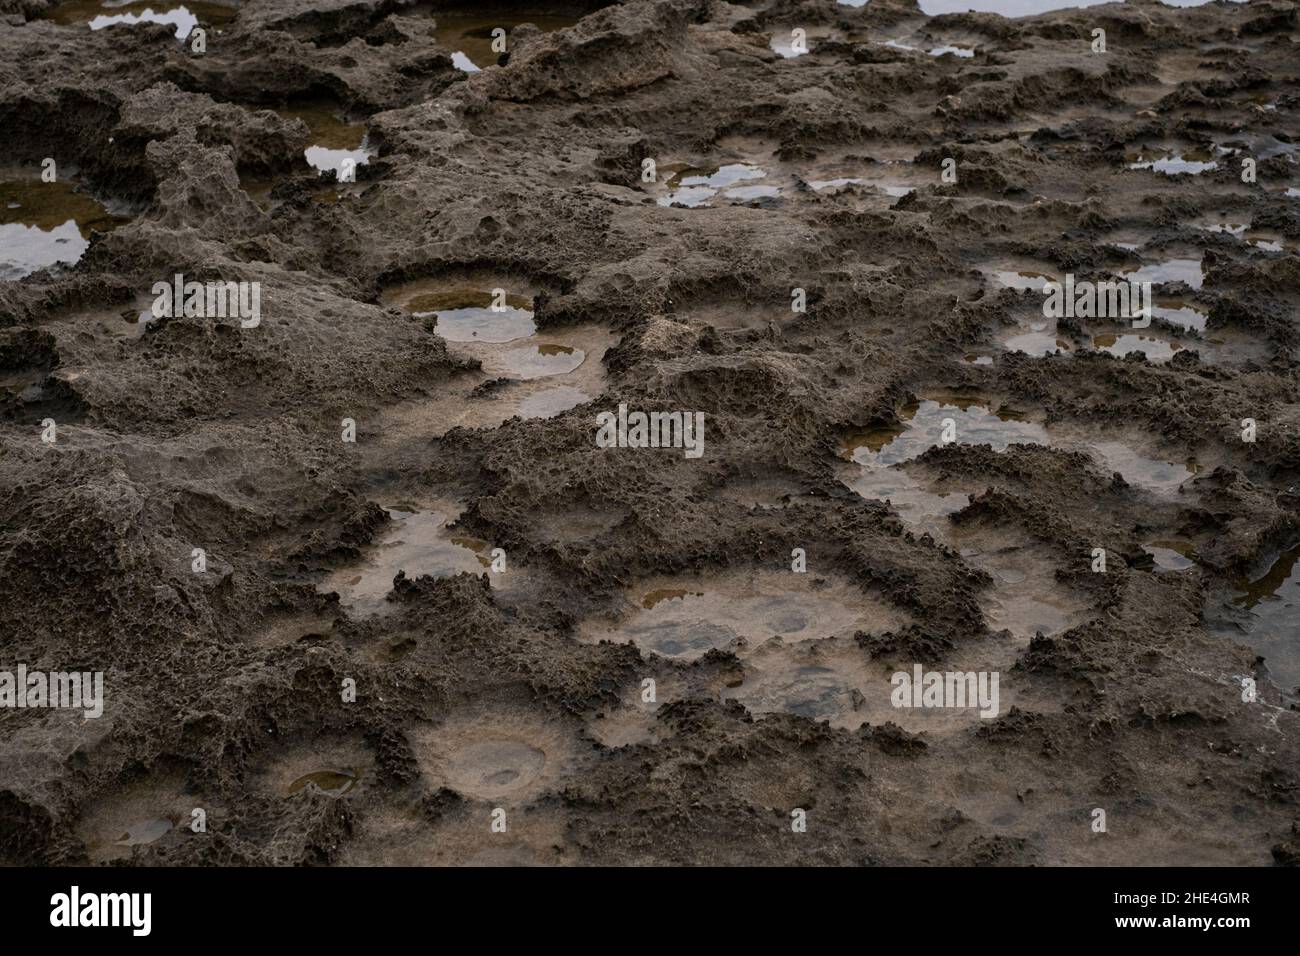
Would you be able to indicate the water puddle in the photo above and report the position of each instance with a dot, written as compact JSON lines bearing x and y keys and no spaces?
{"x":962,"y":52}
{"x":1156,"y":349}
{"x":1231,"y":228}
{"x":1023,"y":279}
{"x":1173,"y":162}
{"x":145,"y":832}
{"x":824,"y":184}
{"x":1178,"y":312}
{"x":686,"y":617}
{"x":978,"y":420}
{"x":334,"y":141}
{"x":1223,"y":346}
{"x":943,"y":50}
{"x":330,"y":764}
{"x":572,"y":353}
{"x":923,"y":425}
{"x":817,"y":671}
{"x":1270,"y":242}
{"x":553,"y":371}
{"x":1171,"y":555}
{"x":480,"y":322}
{"x":416,"y":542}
{"x":1154,"y":474}
{"x":1039,"y":340}
{"x":695,"y":187}
{"x":539,"y":361}
{"x":1264,"y":101}
{"x":1006,"y":8}
{"x":1025,"y":598}
{"x":1280,"y":577}
{"x":1259,"y":238}
{"x":45,"y":224}
{"x":782,"y":42}
{"x":182,"y":17}
{"x":469,"y":36}
{"x":922,"y":509}
{"x":889,"y":172}
{"x":467,"y":313}
{"x":1170,"y":270}
{"x":332,"y":783}
{"x":877,"y":451}
{"x":890,"y":189}
{"x":1273,"y":603}
{"x":660,"y":595}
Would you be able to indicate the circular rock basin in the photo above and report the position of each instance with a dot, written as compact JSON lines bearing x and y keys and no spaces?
{"x":494,"y":768}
